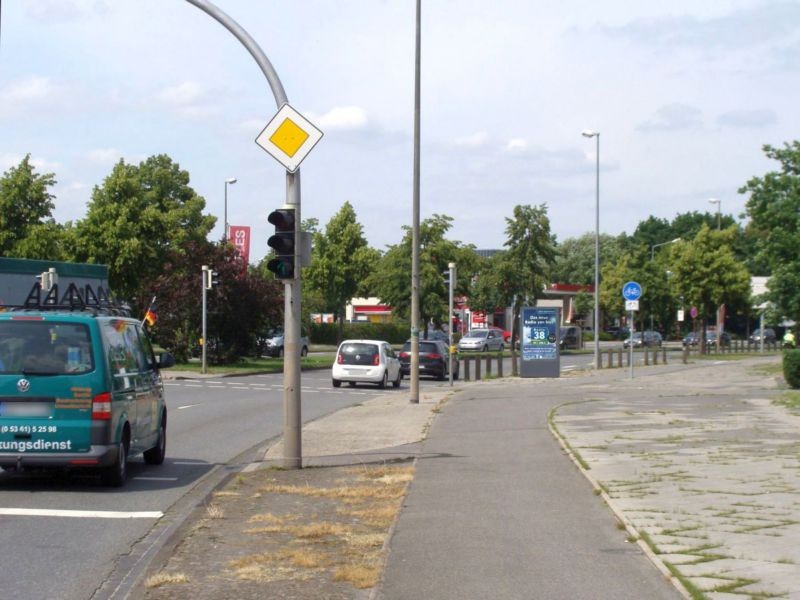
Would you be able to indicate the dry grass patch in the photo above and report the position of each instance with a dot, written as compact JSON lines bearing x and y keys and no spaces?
{"x":320,"y":530}
{"x":215,"y":511}
{"x":162,"y":578}
{"x":377,"y":515}
{"x":361,"y":576}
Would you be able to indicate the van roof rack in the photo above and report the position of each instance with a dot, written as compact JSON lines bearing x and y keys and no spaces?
{"x":87,"y":298}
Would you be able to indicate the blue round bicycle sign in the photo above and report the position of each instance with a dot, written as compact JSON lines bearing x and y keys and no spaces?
{"x":631,"y":291}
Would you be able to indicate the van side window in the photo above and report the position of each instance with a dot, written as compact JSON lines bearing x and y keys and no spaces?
{"x":146,"y":350}
{"x":121,"y":343}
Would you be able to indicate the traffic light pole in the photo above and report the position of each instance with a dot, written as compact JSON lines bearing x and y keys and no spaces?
{"x":204,"y":274}
{"x":292,"y":417}
{"x":292,"y":423}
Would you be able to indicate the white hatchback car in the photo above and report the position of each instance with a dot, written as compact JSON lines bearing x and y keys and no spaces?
{"x":366,"y":361}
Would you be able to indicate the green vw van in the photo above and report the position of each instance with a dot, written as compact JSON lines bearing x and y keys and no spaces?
{"x":79,"y":389}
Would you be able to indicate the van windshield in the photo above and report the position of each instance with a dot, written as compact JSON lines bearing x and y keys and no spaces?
{"x":42,"y":347}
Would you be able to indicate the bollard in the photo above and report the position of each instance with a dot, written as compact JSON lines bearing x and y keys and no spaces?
{"x":610,"y":359}
{"x":466,"y":368}
{"x":477,"y":368}
{"x":488,"y":365}
{"x":499,"y":365}
{"x":646,"y":355}
{"x":664,"y":355}
{"x":685,"y":354}
{"x":619,"y":358}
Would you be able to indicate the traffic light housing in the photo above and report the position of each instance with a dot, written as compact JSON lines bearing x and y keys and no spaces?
{"x":210,"y":278}
{"x":284,"y":243}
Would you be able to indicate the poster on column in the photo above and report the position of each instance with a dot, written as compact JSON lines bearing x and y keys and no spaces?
{"x":539,"y":342}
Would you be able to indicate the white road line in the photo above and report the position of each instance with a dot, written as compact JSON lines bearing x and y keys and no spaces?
{"x":84,"y":514}
{"x":156,"y":478}
{"x":191,"y":463}
{"x":187,"y":406}
{"x":192,"y":385}
{"x":240,"y":387}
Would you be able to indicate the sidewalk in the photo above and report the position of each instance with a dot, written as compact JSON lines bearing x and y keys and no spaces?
{"x":701,"y":470}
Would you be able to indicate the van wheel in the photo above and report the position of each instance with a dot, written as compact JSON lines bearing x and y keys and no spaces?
{"x":155,"y":456}
{"x":116,"y":474}
{"x":396,"y":382}
{"x":337,"y":383}
{"x":304,"y":351}
{"x":384,"y":380}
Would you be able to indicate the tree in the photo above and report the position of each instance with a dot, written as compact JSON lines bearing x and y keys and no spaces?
{"x":707,"y":273}
{"x":575,"y":257}
{"x":243,"y":305}
{"x":137,"y":219}
{"x":27,"y":228}
{"x":774,"y":228}
{"x":390,"y":280}
{"x":341,"y":260}
{"x":518,"y":275}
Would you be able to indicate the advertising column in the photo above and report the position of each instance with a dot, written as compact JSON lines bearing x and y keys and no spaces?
{"x":539,"y":328}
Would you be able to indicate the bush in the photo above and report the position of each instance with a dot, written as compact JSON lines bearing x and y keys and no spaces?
{"x":325,"y":333}
{"x":791,"y":368}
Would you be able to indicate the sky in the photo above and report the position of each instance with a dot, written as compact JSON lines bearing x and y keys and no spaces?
{"x":685,"y":94}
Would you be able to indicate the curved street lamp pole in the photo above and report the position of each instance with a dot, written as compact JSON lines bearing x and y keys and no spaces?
{"x":292,"y":422}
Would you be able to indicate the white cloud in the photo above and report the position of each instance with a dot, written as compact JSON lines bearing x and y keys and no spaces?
{"x":517,"y":145}
{"x":8,"y":161}
{"x":476,"y":140}
{"x":748,"y":118}
{"x":187,"y":92}
{"x":104,"y":156}
{"x":674,"y":117}
{"x":341,"y":117}
{"x":27,"y":90}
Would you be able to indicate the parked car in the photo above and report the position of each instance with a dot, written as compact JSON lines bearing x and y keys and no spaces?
{"x":482,"y":340}
{"x":618,"y":333}
{"x":768,"y":335}
{"x":724,"y":338}
{"x":366,"y":361}
{"x":569,"y":337}
{"x":434,"y":359}
{"x":272,"y":345}
{"x":644,"y":338}
{"x":693,"y":338}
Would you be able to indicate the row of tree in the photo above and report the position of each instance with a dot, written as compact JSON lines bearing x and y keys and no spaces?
{"x":147,"y":223}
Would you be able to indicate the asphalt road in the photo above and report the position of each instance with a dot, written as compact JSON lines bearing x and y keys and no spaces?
{"x":53,"y":551}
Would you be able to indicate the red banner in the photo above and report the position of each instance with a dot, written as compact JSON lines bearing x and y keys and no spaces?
{"x":240,"y":238}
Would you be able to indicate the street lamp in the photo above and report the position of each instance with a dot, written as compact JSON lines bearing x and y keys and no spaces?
{"x":652,"y":256}
{"x":718,"y":202}
{"x":230,"y":180}
{"x":588,"y":133}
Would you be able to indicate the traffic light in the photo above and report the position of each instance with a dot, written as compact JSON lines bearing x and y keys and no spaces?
{"x":283,"y":243}
{"x":210,"y":278}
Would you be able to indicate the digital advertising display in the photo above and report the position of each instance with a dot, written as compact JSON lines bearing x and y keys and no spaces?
{"x":539,"y":342}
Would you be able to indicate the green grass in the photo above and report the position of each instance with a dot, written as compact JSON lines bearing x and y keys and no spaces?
{"x":790,"y":400}
{"x":256,"y":365}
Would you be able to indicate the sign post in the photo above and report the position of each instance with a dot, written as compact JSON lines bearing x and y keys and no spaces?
{"x":631,"y":292}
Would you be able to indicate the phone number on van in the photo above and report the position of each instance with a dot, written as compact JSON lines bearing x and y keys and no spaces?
{"x":29,"y":429}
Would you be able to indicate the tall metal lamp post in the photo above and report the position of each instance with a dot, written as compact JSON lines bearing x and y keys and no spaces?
{"x":652,"y":256}
{"x":588,"y":133}
{"x":718,"y":202}
{"x":230,"y":180}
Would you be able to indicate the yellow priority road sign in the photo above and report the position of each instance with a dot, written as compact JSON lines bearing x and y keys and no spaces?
{"x":289,"y":137}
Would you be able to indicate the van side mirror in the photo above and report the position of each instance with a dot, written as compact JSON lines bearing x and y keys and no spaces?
{"x":165,"y":360}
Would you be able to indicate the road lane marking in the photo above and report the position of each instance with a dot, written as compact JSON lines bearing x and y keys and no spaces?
{"x":187,"y":406}
{"x":143,"y":478}
{"x":83,"y":514}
